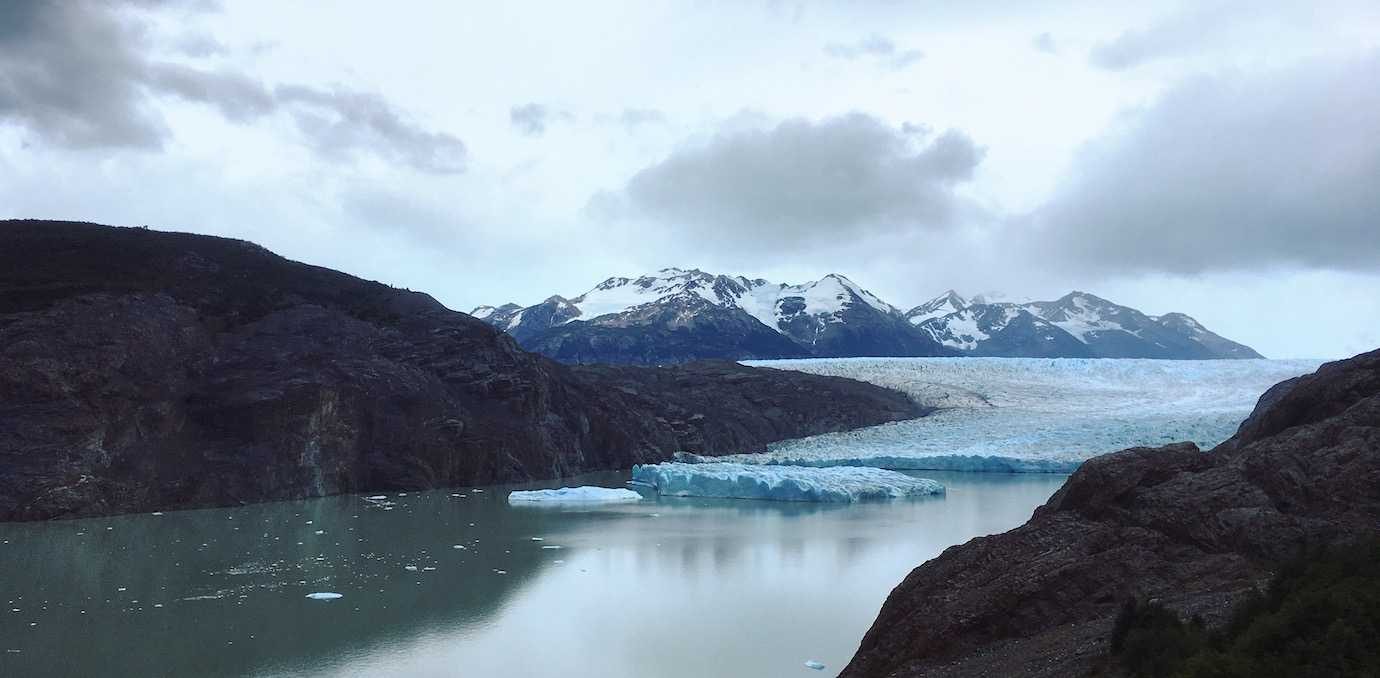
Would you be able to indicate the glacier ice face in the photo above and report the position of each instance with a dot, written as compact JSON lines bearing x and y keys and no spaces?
{"x":780,"y":483}
{"x":1033,"y":415}
{"x":574,"y":495}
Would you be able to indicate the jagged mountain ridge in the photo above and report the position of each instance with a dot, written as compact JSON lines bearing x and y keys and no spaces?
{"x":676,"y":315}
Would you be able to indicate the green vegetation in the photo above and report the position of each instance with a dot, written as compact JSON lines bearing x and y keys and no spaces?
{"x":1319,"y":617}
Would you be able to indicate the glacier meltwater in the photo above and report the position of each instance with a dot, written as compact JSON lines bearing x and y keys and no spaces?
{"x":1033,"y":415}
{"x":780,"y":483}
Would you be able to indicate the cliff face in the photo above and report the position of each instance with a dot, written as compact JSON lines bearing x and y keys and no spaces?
{"x":1194,"y":529}
{"x":145,"y":370}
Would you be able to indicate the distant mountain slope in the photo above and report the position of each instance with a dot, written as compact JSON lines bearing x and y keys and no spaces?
{"x":677,"y":315}
{"x":144,"y":370}
{"x":1113,"y":331}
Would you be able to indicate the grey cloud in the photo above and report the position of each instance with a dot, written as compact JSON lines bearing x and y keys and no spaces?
{"x":1182,"y":32}
{"x":1231,"y":173}
{"x":236,"y":96}
{"x":70,"y":72}
{"x":802,"y":182}
{"x":77,"y":74}
{"x":341,"y":121}
{"x":200,"y":45}
{"x":877,"y":47}
{"x":532,"y":119}
{"x":1044,"y":42}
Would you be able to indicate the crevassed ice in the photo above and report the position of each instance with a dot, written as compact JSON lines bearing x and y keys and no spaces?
{"x":780,"y":483}
{"x":1034,"y":415}
{"x":574,"y":495}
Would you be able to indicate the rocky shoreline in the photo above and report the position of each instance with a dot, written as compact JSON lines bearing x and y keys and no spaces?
{"x":144,"y":370}
{"x":1196,"y":531}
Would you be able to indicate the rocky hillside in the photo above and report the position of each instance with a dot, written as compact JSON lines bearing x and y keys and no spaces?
{"x":1194,"y":530}
{"x":146,"y":370}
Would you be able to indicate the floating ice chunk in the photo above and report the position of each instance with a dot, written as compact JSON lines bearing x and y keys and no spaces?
{"x":459,"y":547}
{"x":377,"y":497}
{"x":324,"y":595}
{"x":781,"y":483}
{"x":816,"y":665}
{"x":410,"y":568}
{"x":574,"y":495}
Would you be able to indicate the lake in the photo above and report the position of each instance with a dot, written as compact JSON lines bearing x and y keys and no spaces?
{"x":668,"y":587}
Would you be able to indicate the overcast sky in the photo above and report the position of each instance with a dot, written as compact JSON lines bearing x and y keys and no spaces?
{"x":1221,"y":160}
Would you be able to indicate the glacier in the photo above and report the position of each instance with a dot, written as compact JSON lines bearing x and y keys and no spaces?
{"x":574,"y":495}
{"x":780,"y":483}
{"x":1031,"y":414}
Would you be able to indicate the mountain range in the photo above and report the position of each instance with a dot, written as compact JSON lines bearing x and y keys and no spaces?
{"x":678,"y":315}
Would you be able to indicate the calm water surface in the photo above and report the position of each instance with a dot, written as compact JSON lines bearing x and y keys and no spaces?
{"x":681,"y":587}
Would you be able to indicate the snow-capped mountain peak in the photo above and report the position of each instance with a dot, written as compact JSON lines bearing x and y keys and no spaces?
{"x":681,"y":314}
{"x":942,"y":305}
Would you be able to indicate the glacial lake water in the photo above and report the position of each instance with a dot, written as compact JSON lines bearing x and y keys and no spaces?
{"x":668,"y":587}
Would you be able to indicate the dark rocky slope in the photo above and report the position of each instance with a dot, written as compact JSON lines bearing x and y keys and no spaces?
{"x":1195,"y":530}
{"x":147,"y":370}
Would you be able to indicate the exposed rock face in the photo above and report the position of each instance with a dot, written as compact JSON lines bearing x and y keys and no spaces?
{"x":1191,"y":528}
{"x":144,"y":370}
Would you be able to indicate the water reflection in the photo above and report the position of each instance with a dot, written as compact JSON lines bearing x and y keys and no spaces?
{"x":671,"y":587}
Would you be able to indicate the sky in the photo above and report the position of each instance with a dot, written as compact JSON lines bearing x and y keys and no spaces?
{"x":1220,"y":159}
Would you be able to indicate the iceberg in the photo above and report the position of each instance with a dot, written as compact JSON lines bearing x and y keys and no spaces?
{"x":574,"y":495}
{"x":1030,"y":414}
{"x":780,"y":483}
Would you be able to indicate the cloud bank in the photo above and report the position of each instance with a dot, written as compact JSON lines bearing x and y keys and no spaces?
{"x":79,"y":75}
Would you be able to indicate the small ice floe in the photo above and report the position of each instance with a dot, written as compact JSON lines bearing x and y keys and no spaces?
{"x":459,"y":547}
{"x":321,"y":532}
{"x":500,"y":572}
{"x":156,"y":513}
{"x":410,"y":568}
{"x":324,"y":595}
{"x":428,"y":568}
{"x":550,"y":547}
{"x":537,"y":539}
{"x":816,"y":665}
{"x":574,"y":495}
{"x":377,"y":497}
{"x":477,"y":490}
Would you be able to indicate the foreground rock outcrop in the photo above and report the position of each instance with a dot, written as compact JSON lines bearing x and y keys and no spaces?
{"x":1195,"y":530}
{"x":142,"y":369}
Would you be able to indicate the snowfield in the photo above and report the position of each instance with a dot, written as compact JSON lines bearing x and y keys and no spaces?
{"x":1030,"y":414}
{"x":780,"y":483}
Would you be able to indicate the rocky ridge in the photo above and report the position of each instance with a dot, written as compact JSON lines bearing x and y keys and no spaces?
{"x":1194,"y":529}
{"x":144,"y":370}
